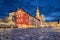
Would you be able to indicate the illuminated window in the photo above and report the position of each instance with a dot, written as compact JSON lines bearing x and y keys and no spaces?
{"x":27,"y":16}
{"x":23,"y":12}
{"x":21,"y":15}
{"x":17,"y":16}
{"x":19,"y":11}
{"x":17,"y":20}
{"x":21,"y":20}
{"x":27,"y":20}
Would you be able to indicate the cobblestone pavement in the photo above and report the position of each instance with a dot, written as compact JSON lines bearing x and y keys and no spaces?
{"x":29,"y":34}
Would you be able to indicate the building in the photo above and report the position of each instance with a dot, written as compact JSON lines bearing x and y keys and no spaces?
{"x":23,"y":19}
{"x":38,"y":13}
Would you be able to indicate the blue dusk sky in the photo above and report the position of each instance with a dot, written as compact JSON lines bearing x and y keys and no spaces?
{"x":50,"y":8}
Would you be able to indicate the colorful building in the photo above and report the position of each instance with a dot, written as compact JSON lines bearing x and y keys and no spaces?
{"x":23,"y":19}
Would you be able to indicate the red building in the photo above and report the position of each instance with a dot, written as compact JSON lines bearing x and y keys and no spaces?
{"x":22,"y":17}
{"x":24,"y":20}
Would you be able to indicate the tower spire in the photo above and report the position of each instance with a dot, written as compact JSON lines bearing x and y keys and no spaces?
{"x":37,"y":13}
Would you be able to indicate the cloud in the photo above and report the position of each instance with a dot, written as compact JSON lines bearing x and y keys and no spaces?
{"x":50,"y":18}
{"x":55,"y":14}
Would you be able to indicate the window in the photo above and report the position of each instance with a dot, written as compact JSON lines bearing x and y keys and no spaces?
{"x":19,"y":15}
{"x":17,"y":20}
{"x":23,"y":12}
{"x":27,"y":16}
{"x":21,"y":20}
{"x":20,"y":10}
{"x":26,"y":20}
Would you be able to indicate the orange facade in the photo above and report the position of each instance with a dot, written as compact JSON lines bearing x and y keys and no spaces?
{"x":22,"y":17}
{"x":25,"y":20}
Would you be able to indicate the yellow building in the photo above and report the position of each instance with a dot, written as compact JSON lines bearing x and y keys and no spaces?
{"x":37,"y":13}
